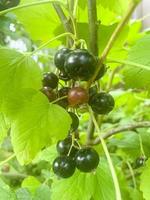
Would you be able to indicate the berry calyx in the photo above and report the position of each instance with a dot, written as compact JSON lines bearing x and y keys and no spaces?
{"x":102,"y":103}
{"x":64,"y":166}
{"x":65,"y":146}
{"x":87,"y":159}
{"x":80,"y":64}
{"x":75,"y":122}
{"x":77,"y":96}
{"x":50,"y":80}
{"x":49,"y":93}
{"x":60,"y":57}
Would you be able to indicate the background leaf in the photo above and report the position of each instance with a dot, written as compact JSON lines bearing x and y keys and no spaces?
{"x":145,"y":181}
{"x":135,"y":77}
{"x":83,"y":186}
{"x":17,"y":71}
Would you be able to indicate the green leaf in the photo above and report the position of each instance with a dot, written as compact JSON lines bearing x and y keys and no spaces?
{"x":48,"y":154}
{"x":41,"y":20}
{"x":23,"y":194}
{"x":145,"y":181}
{"x":17,"y":71}
{"x":30,"y":183}
{"x":4,"y":127}
{"x":42,"y":193}
{"x":117,"y":6}
{"x":84,"y":186}
{"x":5,"y":192}
{"x":37,"y":122}
{"x":136,"y":77}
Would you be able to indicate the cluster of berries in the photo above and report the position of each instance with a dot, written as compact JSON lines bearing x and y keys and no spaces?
{"x":73,"y":67}
{"x":71,"y":156}
{"x":76,"y":65}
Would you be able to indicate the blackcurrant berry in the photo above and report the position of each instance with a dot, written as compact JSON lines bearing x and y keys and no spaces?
{"x":102,"y":103}
{"x":75,"y":121}
{"x":77,"y":96}
{"x":62,"y":93}
{"x":63,"y":147}
{"x":80,"y":64}
{"x":5,"y":4}
{"x":87,"y":159}
{"x":64,"y":166}
{"x":140,"y":161}
{"x":50,"y":80}
{"x":60,"y":57}
{"x":49,"y":93}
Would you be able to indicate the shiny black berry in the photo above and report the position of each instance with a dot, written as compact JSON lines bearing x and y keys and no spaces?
{"x":60,"y":57}
{"x":87,"y":159}
{"x":80,"y":64}
{"x":77,"y":96}
{"x":75,"y":121}
{"x":64,"y":147}
{"x":5,"y":4}
{"x":64,"y":166}
{"x":49,"y":93}
{"x":102,"y":103}
{"x":140,"y":161}
{"x":50,"y":80}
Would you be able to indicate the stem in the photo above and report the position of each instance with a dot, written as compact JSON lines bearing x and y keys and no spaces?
{"x":51,"y":40}
{"x":8,"y":159}
{"x":144,"y":124}
{"x":93,"y":35}
{"x":29,"y":5}
{"x":112,"y":39}
{"x":64,"y":20}
{"x":75,"y":8}
{"x":110,"y":81}
{"x":126,"y":62}
{"x":132,"y":174}
{"x":93,"y":26}
{"x":61,"y":98}
{"x":113,"y":173}
{"x":14,"y":175}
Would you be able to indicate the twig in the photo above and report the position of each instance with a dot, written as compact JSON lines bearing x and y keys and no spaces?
{"x":93,"y":35}
{"x":7,"y":160}
{"x":112,"y":39}
{"x":93,"y":26}
{"x":66,"y":23}
{"x":13,"y":175}
{"x":144,"y":124}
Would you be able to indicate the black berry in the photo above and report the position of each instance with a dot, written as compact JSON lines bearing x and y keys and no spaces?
{"x":60,"y":57}
{"x":87,"y":159}
{"x":64,"y":76}
{"x":64,"y":166}
{"x":80,"y":64}
{"x":50,"y":80}
{"x":102,"y":103}
{"x":77,"y":96}
{"x":63,"y":147}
